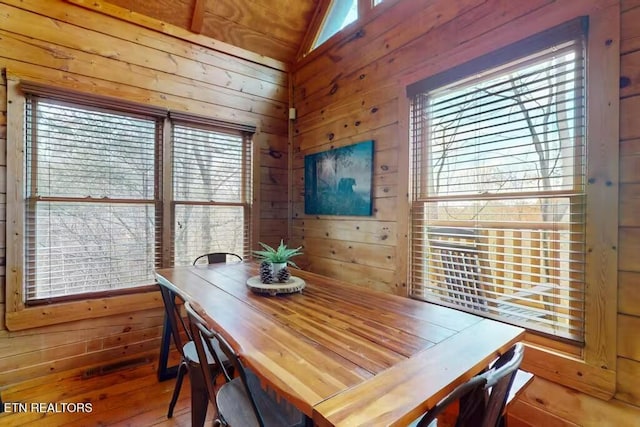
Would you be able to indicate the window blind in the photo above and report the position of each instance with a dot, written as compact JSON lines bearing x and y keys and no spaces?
{"x":498,"y":196}
{"x":90,"y":198}
{"x":110,"y":195}
{"x":211,"y":190}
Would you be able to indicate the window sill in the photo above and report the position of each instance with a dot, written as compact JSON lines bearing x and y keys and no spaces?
{"x":50,"y":314}
{"x":570,"y":371}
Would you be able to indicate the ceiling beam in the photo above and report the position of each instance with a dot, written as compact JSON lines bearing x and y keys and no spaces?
{"x":198,"y":16}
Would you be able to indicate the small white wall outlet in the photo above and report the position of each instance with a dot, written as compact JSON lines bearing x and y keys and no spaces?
{"x":292,"y":113}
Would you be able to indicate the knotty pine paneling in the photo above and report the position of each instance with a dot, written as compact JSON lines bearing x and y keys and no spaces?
{"x":545,"y":403}
{"x":270,"y":29}
{"x":533,"y":416}
{"x":630,"y":205}
{"x":629,"y":293}
{"x":630,"y":73}
{"x":629,"y":336}
{"x":630,"y":31}
{"x":3,"y":194}
{"x":629,"y":126}
{"x":377,"y":278}
{"x":35,"y":352}
{"x":628,"y":365}
{"x":628,"y":380}
{"x":362,"y":77}
{"x":57,"y":43}
{"x":320,"y":78}
{"x":629,"y":244}
{"x":176,"y":12}
{"x":143,"y":37}
{"x":373,"y":232}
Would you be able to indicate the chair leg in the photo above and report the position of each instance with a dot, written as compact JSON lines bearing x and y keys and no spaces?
{"x":199,"y":397}
{"x":182,"y":369}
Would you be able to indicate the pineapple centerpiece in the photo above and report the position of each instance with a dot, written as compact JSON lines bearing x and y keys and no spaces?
{"x":273,"y":267}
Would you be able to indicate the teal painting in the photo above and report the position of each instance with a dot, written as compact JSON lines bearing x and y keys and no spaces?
{"x":338,"y":181}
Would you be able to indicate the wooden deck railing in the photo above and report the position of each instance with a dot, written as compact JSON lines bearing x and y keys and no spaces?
{"x":528,"y":267}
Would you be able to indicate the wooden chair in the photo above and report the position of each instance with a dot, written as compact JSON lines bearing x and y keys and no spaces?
{"x":190,"y":360}
{"x":240,"y":401}
{"x":459,"y":265}
{"x":174,"y":323}
{"x":483,"y":398}
{"x":217,"y":257}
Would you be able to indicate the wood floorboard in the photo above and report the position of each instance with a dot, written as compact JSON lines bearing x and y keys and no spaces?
{"x":127,"y":397}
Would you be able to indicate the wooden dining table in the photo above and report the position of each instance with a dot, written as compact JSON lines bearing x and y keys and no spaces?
{"x":343,"y":354}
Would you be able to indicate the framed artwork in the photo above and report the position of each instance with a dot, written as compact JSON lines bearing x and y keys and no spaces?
{"x":339,"y":181}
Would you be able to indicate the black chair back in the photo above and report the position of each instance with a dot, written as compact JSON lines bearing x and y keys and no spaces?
{"x":204,"y":337}
{"x":483,"y":398}
{"x":241,"y":401}
{"x":217,"y":257}
{"x":177,"y":324}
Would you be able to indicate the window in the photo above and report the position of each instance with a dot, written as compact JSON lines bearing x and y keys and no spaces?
{"x":90,"y":199}
{"x":100,"y":193}
{"x":333,"y":16}
{"x":498,"y":185}
{"x":211,"y":190}
{"x":340,"y":14}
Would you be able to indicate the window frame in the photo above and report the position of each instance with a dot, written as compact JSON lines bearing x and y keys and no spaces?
{"x":328,"y":19}
{"x":246,"y":190}
{"x":367,"y":11}
{"x":571,"y":37}
{"x":20,"y":316}
{"x":31,"y":166}
{"x":591,"y":369}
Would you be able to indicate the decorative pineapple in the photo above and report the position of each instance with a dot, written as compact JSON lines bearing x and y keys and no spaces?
{"x":283,"y":275}
{"x":266,"y":274}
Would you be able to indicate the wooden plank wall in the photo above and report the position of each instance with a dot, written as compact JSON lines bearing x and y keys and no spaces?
{"x":61,"y":44}
{"x":543,"y":397}
{"x":354,"y":91}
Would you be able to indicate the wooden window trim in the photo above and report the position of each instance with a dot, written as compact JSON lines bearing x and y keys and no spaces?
{"x":246,"y":134}
{"x":593,"y":369}
{"x":46,"y":315}
{"x":19,"y":316}
{"x":39,"y":196}
{"x":366,"y":13}
{"x":509,"y":258}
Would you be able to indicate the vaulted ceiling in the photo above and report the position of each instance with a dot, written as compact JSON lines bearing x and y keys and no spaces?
{"x":273,"y":28}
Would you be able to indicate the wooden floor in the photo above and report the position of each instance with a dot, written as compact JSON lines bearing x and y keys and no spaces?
{"x":130,"y":396}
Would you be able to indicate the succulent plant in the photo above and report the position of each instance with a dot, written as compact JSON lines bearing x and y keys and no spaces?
{"x":278,"y":255}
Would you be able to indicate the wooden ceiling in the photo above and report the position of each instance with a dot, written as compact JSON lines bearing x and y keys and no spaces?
{"x":273,"y":28}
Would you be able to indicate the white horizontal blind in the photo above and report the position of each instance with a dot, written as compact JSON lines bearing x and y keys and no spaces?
{"x":90,"y":199}
{"x":211,"y":191}
{"x":498,"y":203}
